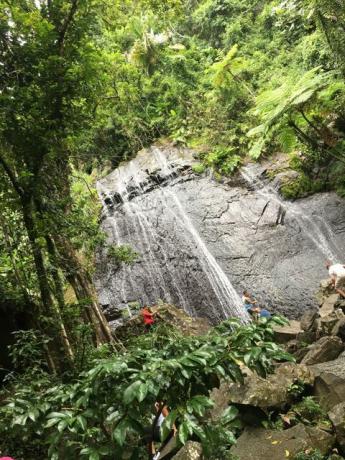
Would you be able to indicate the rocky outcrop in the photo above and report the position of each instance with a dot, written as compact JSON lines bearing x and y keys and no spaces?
{"x":337,"y":417}
{"x":260,"y":444}
{"x":172,"y":215}
{"x":329,"y":385}
{"x":283,"y":334}
{"x":325,"y":349}
{"x":168,"y":314}
{"x":190,"y":451}
{"x":272,"y":392}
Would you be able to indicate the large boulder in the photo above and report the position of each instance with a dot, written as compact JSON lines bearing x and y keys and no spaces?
{"x":328,"y":305}
{"x":329,"y":386}
{"x":194,"y":236}
{"x":327,"y":323}
{"x":337,"y":417}
{"x":325,"y":349}
{"x":339,"y":329}
{"x":308,"y":320}
{"x":283,"y":334}
{"x":326,"y":289}
{"x":190,"y":451}
{"x":272,"y":392}
{"x":169,"y":315}
{"x":260,"y":444}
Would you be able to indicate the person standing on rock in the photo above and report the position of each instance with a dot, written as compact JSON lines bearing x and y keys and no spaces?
{"x":337,"y":274}
{"x":148,"y":318}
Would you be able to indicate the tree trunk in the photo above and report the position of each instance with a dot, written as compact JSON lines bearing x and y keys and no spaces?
{"x":82,"y":286}
{"x":59,"y":295}
{"x":43,"y":282}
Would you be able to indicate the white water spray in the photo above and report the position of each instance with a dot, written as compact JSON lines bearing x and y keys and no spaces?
{"x":227,"y":296}
{"x":309,"y":225}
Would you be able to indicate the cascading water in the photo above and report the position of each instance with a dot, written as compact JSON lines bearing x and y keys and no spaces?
{"x":137,"y":205}
{"x":319,"y":233}
{"x":226,"y":294}
{"x":197,"y":238}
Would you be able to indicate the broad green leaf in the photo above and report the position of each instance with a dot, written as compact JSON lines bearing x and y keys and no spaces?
{"x":120,"y":432}
{"x":183,"y":432}
{"x":131,"y":392}
{"x":142,"y":392}
{"x":230,"y":414}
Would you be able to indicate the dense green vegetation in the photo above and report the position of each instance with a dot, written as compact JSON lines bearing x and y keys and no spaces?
{"x":101,"y":412}
{"x":85,"y":85}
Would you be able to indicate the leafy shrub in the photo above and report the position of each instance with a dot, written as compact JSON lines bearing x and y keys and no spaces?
{"x":198,"y":168}
{"x":300,"y":187}
{"x":103,"y":413}
{"x":122,"y":254}
{"x":223,"y":160}
{"x":308,"y":411}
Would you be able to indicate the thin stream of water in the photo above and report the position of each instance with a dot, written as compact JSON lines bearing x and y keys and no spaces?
{"x":308,"y":224}
{"x":228,"y":298}
{"x":130,"y":190}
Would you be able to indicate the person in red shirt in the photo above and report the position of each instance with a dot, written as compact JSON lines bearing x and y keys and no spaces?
{"x":147,"y":317}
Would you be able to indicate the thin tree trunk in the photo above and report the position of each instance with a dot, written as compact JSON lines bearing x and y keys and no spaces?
{"x":37,"y":254}
{"x":82,"y":286}
{"x":50,"y":309}
{"x":315,"y":128}
{"x":302,"y":135}
{"x":17,"y":273}
{"x":59,"y":294}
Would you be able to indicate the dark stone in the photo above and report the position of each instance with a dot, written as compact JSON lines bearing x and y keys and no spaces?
{"x":300,"y":354}
{"x":329,"y":386}
{"x":284,"y":334}
{"x":117,"y":198}
{"x":242,"y":228}
{"x":308,"y":320}
{"x":260,"y":444}
{"x":271,"y":392}
{"x":292,"y":346}
{"x":325,"y":349}
{"x":307,"y":337}
{"x":339,"y":329}
{"x":337,"y":417}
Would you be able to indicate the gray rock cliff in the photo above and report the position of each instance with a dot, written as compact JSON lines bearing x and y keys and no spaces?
{"x":201,"y":241}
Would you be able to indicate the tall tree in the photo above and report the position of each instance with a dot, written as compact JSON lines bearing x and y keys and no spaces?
{"x":49,"y":78}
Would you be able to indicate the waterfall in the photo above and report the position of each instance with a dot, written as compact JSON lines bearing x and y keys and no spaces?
{"x":316,"y":229}
{"x":228,"y":298}
{"x":140,"y":206}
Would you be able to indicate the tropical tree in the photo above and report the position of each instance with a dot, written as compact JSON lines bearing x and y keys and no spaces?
{"x":48,"y":79}
{"x":286,"y":108}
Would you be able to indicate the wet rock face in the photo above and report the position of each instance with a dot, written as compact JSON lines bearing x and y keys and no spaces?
{"x":182,"y":224}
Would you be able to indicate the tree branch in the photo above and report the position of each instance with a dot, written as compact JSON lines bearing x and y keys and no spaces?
{"x":12,"y":177}
{"x":65,"y":25}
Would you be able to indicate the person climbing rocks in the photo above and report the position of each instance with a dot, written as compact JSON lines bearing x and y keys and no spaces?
{"x":148,"y":317}
{"x":153,"y":433}
{"x":337,"y":274}
{"x":250,"y":304}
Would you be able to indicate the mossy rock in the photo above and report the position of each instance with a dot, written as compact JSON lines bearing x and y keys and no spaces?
{"x":300,"y":187}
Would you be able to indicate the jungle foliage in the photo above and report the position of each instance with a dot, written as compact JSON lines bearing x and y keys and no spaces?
{"x":102,"y":411}
{"x":85,"y":85}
